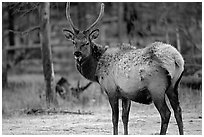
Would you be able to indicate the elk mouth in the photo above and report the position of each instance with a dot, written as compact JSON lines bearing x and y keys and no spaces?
{"x":81,"y":59}
{"x":78,"y":58}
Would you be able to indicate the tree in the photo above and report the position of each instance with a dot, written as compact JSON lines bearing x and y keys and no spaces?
{"x":48,"y":68}
{"x":44,"y":27}
{"x":11,"y":34}
{"x":4,"y":54}
{"x":120,"y":21}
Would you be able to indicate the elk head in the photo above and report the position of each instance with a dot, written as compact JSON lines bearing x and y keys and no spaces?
{"x":82,"y":40}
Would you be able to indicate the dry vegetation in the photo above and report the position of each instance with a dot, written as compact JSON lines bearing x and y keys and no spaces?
{"x":24,"y":108}
{"x":26,"y":92}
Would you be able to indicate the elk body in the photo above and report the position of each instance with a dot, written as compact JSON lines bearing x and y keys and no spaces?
{"x":140,"y":75}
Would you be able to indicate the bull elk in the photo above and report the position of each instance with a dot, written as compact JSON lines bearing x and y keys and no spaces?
{"x":140,"y":75}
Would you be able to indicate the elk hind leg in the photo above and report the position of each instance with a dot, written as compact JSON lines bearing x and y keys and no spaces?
{"x":165,"y":114}
{"x":157,"y":91}
{"x":125,"y":114}
{"x":172,"y":94}
{"x":159,"y":84}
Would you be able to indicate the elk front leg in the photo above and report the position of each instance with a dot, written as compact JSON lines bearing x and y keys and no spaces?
{"x":125,"y":114}
{"x":115,"y":112}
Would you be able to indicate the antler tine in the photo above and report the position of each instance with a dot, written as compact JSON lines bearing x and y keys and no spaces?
{"x":99,"y":18}
{"x":69,"y":17}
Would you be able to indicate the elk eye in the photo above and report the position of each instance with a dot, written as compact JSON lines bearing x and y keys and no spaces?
{"x":85,"y":44}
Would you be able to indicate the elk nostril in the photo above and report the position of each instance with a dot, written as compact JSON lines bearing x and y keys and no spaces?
{"x":77,"y":53}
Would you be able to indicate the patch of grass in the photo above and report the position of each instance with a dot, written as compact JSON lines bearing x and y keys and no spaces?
{"x":190,"y":98}
{"x":26,"y":92}
{"x":194,"y":82}
{"x":22,"y":93}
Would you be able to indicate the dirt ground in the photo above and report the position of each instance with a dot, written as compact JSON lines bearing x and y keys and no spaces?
{"x":143,"y":121}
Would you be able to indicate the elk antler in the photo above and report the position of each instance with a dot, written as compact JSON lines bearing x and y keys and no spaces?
{"x":69,"y":17}
{"x":99,"y":17}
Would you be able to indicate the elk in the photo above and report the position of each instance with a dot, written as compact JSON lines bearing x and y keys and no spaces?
{"x":140,"y":75}
{"x":66,"y":91}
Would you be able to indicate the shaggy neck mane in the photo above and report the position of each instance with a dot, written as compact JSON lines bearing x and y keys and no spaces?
{"x":97,"y":51}
{"x":88,"y":67}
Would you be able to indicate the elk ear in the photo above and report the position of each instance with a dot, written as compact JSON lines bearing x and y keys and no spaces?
{"x":68,"y":34}
{"x":94,"y":34}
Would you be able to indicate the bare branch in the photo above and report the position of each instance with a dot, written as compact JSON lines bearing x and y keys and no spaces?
{"x":30,"y":10}
{"x":26,"y":31}
{"x":22,"y":7}
{"x":13,"y":5}
{"x":17,"y":7}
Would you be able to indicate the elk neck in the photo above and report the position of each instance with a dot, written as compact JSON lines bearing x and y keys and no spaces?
{"x":88,"y":67}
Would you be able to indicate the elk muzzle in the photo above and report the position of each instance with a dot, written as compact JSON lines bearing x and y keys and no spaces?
{"x":78,"y":55}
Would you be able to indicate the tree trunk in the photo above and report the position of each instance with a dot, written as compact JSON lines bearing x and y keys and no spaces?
{"x":167,"y":31}
{"x":120,"y":21}
{"x":177,"y":31}
{"x":178,"y":39}
{"x":165,"y":16}
{"x":4,"y":66}
{"x":4,"y":52}
{"x":47,"y":55}
{"x":11,"y":34}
